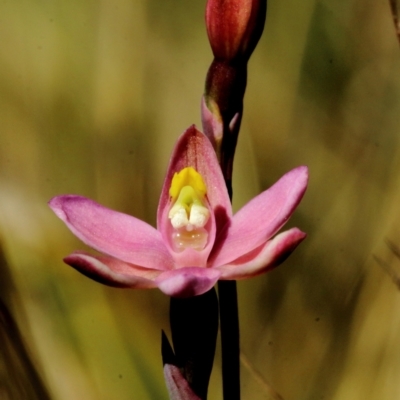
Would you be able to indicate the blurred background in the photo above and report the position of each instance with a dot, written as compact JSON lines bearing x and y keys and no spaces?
{"x":93,"y":95}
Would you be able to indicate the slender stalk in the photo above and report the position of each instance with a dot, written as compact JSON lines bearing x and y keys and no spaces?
{"x":229,"y":323}
{"x":229,"y":317}
{"x":234,"y":28}
{"x":227,"y":293}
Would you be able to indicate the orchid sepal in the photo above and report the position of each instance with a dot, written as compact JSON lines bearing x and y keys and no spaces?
{"x":111,"y":272}
{"x":261,"y":218}
{"x":265,"y":258}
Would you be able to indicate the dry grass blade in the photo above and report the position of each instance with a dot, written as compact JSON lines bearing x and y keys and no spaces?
{"x":386,"y":267}
{"x":272,"y":393}
{"x":19,"y":378}
{"x":389,"y":270}
{"x":393,"y":248}
{"x":395,"y":14}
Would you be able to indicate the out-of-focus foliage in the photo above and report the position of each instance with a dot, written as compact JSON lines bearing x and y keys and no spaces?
{"x":93,"y":95}
{"x":394,"y":5}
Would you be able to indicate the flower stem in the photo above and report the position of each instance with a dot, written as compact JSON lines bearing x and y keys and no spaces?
{"x":194,"y":329}
{"x":227,"y":296}
{"x":229,"y":323}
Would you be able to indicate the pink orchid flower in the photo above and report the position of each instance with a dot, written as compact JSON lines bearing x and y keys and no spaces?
{"x":198,"y":240}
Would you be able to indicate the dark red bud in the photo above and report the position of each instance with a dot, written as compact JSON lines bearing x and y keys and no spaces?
{"x":234,"y":27}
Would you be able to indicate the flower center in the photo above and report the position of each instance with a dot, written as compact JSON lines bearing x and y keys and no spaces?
{"x":189,"y":214}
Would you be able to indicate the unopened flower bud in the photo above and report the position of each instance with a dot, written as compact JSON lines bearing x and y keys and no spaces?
{"x":234,"y":27}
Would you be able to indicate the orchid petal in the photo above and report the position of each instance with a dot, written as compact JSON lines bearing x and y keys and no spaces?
{"x":111,"y":232}
{"x":177,"y":385}
{"x":265,"y":258}
{"x":187,"y":282}
{"x":111,"y":271}
{"x":260,"y":219}
{"x":193,"y":149}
